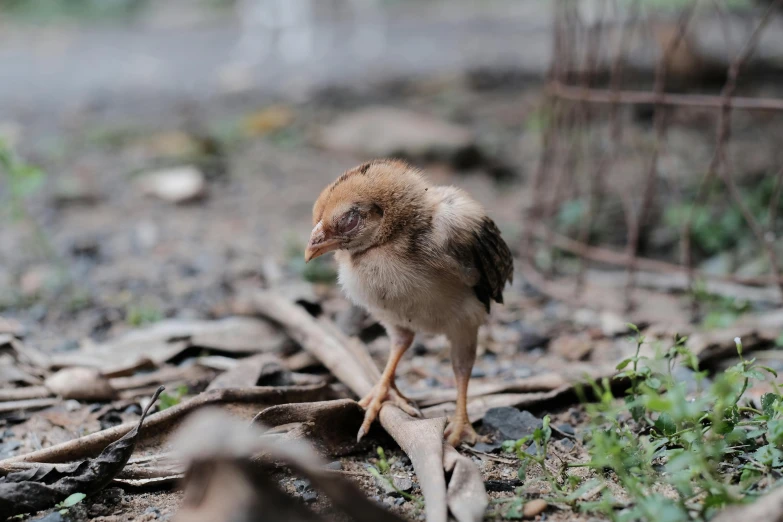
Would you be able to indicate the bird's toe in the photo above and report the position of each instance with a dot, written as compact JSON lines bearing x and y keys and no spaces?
{"x":460,"y":430}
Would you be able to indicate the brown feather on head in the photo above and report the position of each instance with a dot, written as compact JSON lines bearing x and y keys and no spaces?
{"x":366,"y":207}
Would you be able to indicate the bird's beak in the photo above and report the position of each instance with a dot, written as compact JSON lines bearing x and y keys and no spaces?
{"x":320,"y":243}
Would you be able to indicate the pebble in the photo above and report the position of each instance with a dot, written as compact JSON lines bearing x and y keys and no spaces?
{"x":336,"y":465}
{"x":509,"y":423}
{"x":403,"y":484}
{"x":533,"y":508}
{"x":310,"y":496}
{"x":54,"y":516}
{"x":400,"y":501}
{"x":567,"y":429}
{"x":567,"y":444}
{"x":301,"y":485}
{"x":152,"y":511}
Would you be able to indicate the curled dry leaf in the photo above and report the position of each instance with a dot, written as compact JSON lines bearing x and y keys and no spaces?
{"x":330,"y":426}
{"x":229,"y":477}
{"x":43,"y":486}
{"x":85,"y":384}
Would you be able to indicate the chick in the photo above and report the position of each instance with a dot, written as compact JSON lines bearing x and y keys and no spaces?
{"x":421,"y":259}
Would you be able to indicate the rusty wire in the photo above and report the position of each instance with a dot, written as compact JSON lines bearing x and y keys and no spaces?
{"x":572,"y":99}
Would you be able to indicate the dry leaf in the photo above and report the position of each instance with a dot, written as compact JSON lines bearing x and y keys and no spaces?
{"x":85,"y":384}
{"x":330,"y":426}
{"x":229,"y":478}
{"x":43,"y":486}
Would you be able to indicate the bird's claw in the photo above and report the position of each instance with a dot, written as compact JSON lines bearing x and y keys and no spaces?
{"x":373,"y":401}
{"x":461,"y":430}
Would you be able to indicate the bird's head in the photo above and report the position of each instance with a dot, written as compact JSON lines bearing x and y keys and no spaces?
{"x":365,"y":207}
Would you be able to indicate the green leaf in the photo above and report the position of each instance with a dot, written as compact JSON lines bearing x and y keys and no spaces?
{"x":768,"y":403}
{"x":624,"y":363}
{"x":654,"y":383}
{"x":768,"y":455}
{"x":665,"y":425}
{"x":775,"y":432}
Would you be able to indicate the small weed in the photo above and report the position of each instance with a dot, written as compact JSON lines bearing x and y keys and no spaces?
{"x":140,"y":315}
{"x":676,"y":456}
{"x":167,"y":400}
{"x":69,"y":502}
{"x":318,"y":270}
{"x":718,"y":311}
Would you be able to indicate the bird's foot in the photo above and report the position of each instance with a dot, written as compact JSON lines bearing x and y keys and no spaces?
{"x":381,"y":394}
{"x":459,"y":429}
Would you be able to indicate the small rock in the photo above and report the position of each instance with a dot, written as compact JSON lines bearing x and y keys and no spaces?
{"x":87,"y":247}
{"x":571,"y":347}
{"x":487,"y":447}
{"x":73,"y":191}
{"x":81,"y":384}
{"x":36,"y":279}
{"x":720,"y":264}
{"x":54,"y":516}
{"x":400,"y":501}
{"x":754,"y":268}
{"x":301,"y":485}
{"x":389,"y":501}
{"x":403,"y":483}
{"x":567,"y":444}
{"x":532,"y":449}
{"x":7,"y":449}
{"x":383,"y":484}
{"x":612,"y":324}
{"x":68,"y":345}
{"x":510,"y":424}
{"x":529,"y":337}
{"x":310,"y":496}
{"x":384,"y":132}
{"x":12,"y":327}
{"x":152,"y":511}
{"x":566,"y":428}
{"x":176,"y":185}
{"x":534,"y":507}
{"x":477,"y":373}
{"x":336,"y":465}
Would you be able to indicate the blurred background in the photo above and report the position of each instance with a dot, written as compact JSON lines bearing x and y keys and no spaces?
{"x":158,"y":155}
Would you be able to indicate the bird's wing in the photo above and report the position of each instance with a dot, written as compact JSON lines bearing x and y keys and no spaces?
{"x":473,"y":241}
{"x":492,"y":259}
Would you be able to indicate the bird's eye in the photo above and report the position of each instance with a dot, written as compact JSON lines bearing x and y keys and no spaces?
{"x":349,"y":221}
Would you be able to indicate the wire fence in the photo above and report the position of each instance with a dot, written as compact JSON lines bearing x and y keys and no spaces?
{"x":585,"y":147}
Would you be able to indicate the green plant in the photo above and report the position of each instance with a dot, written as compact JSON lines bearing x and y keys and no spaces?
{"x":381,"y":473}
{"x":69,"y":502}
{"x":718,"y":311}
{"x":140,"y":315}
{"x":22,"y":180}
{"x":318,"y":270}
{"x":167,"y":400}
{"x":675,"y":455}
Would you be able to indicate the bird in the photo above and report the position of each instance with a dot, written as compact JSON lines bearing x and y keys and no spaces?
{"x":420,"y":258}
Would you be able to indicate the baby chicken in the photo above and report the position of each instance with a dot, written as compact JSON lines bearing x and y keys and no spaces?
{"x":420,"y":258}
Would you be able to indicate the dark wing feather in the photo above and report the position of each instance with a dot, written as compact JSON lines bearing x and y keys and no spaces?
{"x":490,"y":257}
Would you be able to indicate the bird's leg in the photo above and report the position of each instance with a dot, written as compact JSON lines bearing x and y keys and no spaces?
{"x":385,"y":390}
{"x":459,"y":429}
